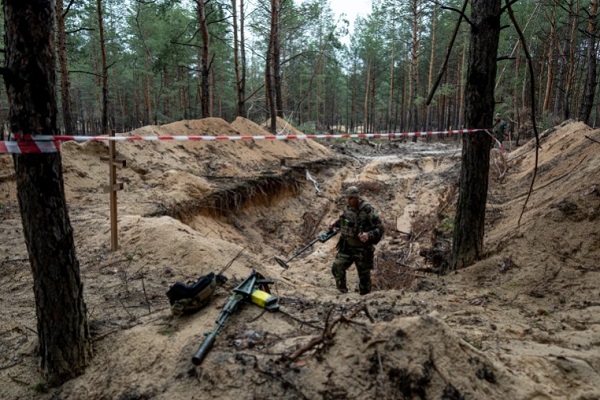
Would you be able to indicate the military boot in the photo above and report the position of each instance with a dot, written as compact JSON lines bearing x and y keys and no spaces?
{"x":340,"y":284}
{"x":364,"y":283}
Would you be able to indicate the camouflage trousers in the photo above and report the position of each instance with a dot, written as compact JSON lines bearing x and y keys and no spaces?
{"x":362,"y":257}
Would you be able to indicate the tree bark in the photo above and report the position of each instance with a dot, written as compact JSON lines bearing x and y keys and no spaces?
{"x":550,"y":59}
{"x":238,"y":42}
{"x":571,"y":67}
{"x":204,"y":67}
{"x":277,"y":58}
{"x":590,"y":84}
{"x":431,"y":64}
{"x":63,"y":63}
{"x":391,"y":93}
{"x":104,"y":70}
{"x":30,"y":79}
{"x":272,"y":80}
{"x":354,"y":106}
{"x":479,"y":97}
{"x":366,"y":102}
{"x":415,"y":44}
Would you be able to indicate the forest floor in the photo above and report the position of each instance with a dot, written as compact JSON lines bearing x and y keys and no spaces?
{"x":523,"y":323}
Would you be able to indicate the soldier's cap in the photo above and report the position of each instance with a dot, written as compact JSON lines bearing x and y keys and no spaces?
{"x":352,"y":191}
{"x":498,"y":115}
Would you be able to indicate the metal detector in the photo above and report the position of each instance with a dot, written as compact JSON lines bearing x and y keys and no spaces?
{"x":321,"y":238}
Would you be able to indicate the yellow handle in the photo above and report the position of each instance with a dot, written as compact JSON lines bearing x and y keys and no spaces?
{"x":264,"y":299}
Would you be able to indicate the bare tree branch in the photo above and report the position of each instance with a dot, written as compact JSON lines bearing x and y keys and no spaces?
{"x":79,"y":29}
{"x":593,"y":140}
{"x":448,"y":52}
{"x":532,"y":93}
{"x":68,"y":8}
{"x":461,"y":12}
{"x":84,"y":72}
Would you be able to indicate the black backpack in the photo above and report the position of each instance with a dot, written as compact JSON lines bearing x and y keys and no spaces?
{"x":190,"y":298}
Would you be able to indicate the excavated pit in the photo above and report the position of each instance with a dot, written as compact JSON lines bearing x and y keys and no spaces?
{"x":519,"y":324}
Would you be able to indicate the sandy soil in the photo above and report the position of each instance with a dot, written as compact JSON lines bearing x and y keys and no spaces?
{"x":521,"y":324}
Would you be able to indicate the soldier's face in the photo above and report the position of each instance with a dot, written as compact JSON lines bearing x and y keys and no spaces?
{"x":353,"y":202}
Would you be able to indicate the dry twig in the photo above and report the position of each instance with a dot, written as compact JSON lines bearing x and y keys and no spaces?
{"x":328,"y":333}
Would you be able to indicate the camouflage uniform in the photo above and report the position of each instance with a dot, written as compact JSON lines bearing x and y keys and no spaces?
{"x":352,"y":250}
{"x":500,"y":128}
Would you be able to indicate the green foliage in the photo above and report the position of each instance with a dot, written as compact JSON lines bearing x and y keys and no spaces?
{"x":447,"y":224}
{"x":40,"y":388}
{"x":327,"y":77}
{"x":308,"y":127}
{"x":168,"y":330}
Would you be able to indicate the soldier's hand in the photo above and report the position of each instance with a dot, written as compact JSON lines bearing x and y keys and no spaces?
{"x":364,"y":237}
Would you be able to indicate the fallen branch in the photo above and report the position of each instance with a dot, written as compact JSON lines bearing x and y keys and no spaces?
{"x":544,"y":284}
{"x":327,"y":335}
{"x":105,"y":334}
{"x":302,"y":322}
{"x":146,"y":295}
{"x":10,"y":365}
{"x":17,"y":380}
{"x":131,"y":317}
{"x":593,"y":140}
{"x":14,"y":260}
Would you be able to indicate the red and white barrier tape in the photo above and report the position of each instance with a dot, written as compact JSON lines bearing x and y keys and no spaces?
{"x":51,"y":143}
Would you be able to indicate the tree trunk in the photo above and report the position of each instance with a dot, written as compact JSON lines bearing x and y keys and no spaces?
{"x":366,"y":103}
{"x":269,"y":86}
{"x":431,"y":64}
{"x":65,"y":81}
{"x":540,"y":81}
{"x":391,"y":94}
{"x":550,"y":62}
{"x":104,"y":70}
{"x":590,"y":84}
{"x":479,"y":97}
{"x":354,"y":106}
{"x":559,"y":81}
{"x":147,"y":91}
{"x":240,"y":73}
{"x":204,"y":67}
{"x":461,"y":111}
{"x":516,"y":108}
{"x":277,"y":57}
{"x":571,"y":67}
{"x":30,"y":78}
{"x":372,"y":110}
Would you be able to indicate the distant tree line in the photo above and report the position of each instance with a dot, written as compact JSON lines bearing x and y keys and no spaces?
{"x":168,"y":60}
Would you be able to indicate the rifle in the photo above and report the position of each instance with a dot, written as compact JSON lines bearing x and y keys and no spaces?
{"x":321,"y":238}
{"x":253,"y":288}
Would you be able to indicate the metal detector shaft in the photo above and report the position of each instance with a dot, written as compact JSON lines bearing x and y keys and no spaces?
{"x":321,"y":238}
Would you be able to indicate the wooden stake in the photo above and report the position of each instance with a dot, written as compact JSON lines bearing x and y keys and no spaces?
{"x":112,"y":189}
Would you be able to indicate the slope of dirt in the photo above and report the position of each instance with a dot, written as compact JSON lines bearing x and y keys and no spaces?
{"x":522,"y":323}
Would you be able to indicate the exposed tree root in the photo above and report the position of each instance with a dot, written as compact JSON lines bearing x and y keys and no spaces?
{"x":326,"y":337}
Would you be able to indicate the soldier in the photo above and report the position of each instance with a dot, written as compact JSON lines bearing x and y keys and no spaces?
{"x":500,"y":129}
{"x":361,"y":229}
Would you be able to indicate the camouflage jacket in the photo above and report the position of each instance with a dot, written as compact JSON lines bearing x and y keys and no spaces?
{"x":499,"y":130}
{"x":363,"y":219}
